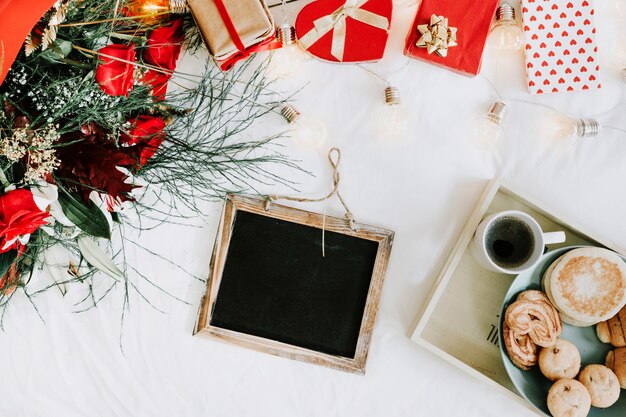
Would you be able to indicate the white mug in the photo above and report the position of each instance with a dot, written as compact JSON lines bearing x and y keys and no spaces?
{"x":511,"y":242}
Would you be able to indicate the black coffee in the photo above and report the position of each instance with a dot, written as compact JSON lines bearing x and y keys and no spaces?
{"x":509,"y":242}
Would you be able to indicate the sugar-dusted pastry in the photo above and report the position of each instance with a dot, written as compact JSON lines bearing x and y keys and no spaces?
{"x":521,"y":350}
{"x":602,"y":384}
{"x":534,"y":315}
{"x":568,"y":398}
{"x":561,"y":361}
{"x":613,"y":330}
{"x":587,"y":285}
{"x":616,"y":361}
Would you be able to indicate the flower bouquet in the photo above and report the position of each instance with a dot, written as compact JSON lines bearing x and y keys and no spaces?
{"x":87,"y":127}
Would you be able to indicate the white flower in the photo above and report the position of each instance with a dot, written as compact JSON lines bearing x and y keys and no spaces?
{"x":46,"y":197}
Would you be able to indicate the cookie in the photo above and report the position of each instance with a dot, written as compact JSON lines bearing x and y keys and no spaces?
{"x":616,"y":361}
{"x":568,"y":398}
{"x":561,"y":361}
{"x":521,"y":350}
{"x":545,"y":283}
{"x":587,"y":285}
{"x":602,"y":384}
{"x":534,"y":315}
{"x":613,"y":330}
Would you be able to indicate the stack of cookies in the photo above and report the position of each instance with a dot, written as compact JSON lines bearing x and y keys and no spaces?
{"x":613,"y":331}
{"x":531,"y":329}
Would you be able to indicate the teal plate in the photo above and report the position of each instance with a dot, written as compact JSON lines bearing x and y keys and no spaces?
{"x":532,"y":384}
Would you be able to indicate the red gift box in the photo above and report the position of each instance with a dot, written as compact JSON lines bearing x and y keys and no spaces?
{"x":345,"y":30}
{"x":472,"y":19}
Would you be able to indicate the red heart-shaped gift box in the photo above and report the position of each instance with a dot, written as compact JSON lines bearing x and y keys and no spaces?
{"x":363,"y":42}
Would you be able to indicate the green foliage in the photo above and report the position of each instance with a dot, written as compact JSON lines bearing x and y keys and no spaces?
{"x":87,"y":217}
{"x":6,"y":260}
{"x":211,"y":147}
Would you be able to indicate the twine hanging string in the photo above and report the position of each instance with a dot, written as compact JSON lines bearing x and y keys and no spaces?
{"x":334,"y":157}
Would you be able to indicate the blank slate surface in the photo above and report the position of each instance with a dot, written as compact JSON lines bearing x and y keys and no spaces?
{"x":277,"y":285}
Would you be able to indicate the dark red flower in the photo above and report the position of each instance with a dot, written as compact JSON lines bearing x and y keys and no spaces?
{"x":164,"y":45}
{"x":146,"y":132}
{"x":115,"y":72}
{"x":19,"y":217}
{"x":89,"y":161}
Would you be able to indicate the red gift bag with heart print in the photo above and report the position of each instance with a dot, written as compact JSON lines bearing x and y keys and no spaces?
{"x":345,"y":30}
{"x":561,"y":51}
{"x":472,"y":21}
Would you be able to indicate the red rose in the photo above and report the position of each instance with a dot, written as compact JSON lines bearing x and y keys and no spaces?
{"x":164,"y":45}
{"x":19,"y":217}
{"x":115,"y":72}
{"x":158,"y":81}
{"x":146,"y":132}
{"x":163,"y":49}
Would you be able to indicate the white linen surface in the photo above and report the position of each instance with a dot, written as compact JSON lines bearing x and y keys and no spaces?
{"x":423,"y":187}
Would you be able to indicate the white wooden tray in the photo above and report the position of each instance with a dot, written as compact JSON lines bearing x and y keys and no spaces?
{"x":460,"y":319}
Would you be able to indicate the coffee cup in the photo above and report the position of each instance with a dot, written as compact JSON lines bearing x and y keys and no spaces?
{"x":511,"y":242}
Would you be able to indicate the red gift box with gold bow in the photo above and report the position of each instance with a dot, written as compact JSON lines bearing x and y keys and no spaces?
{"x":456,"y":38}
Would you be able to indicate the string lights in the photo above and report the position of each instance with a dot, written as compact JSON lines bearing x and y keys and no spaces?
{"x":307,"y":131}
{"x":506,"y":34}
{"x":153,"y":11}
{"x":391,"y":117}
{"x":487,"y":131}
{"x":287,"y":59}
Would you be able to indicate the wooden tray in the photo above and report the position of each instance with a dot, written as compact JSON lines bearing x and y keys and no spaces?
{"x":473,"y":295}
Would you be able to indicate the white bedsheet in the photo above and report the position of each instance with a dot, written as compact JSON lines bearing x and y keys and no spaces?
{"x":423,"y":187}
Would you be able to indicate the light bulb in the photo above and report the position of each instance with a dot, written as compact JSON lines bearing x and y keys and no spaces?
{"x":563,"y":130}
{"x":391,"y":116}
{"x":487,"y":131}
{"x":307,"y":131}
{"x":155,"y":10}
{"x":286,"y":60}
{"x":506,"y":33}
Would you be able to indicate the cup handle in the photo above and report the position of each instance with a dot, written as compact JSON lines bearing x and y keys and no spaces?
{"x":550,"y":238}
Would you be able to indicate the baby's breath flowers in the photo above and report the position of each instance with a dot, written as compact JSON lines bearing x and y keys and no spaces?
{"x":36,"y":147}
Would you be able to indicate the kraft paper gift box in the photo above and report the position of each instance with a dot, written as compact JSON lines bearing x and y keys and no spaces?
{"x":233,"y":29}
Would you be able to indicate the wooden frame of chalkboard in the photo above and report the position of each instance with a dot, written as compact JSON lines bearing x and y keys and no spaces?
{"x":221,"y":305}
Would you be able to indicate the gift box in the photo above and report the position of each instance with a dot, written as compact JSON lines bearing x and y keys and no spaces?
{"x":345,"y":30}
{"x":561,"y":51}
{"x":234,"y":29}
{"x":451,"y":33}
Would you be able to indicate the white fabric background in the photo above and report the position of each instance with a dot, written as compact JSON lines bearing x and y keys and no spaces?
{"x":423,"y":187}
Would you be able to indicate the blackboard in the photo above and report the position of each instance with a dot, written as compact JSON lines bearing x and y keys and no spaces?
{"x":272,"y":289}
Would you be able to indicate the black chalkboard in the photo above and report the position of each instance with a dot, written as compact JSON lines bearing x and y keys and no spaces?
{"x":277,"y":285}
{"x":271,"y":289}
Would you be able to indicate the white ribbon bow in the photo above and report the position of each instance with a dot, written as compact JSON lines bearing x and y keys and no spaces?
{"x":336,"y":22}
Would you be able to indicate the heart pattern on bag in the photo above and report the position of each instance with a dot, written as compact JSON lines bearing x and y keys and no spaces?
{"x":560,"y":51}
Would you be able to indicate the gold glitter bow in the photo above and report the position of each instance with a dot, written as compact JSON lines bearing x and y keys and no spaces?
{"x":437,"y":36}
